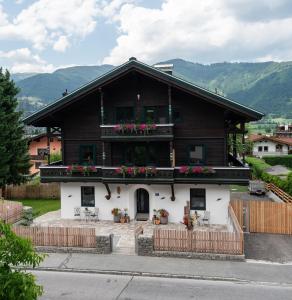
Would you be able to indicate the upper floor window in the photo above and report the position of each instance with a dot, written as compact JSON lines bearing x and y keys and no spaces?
{"x":42,"y":151}
{"x":87,"y":154}
{"x":125,"y":114}
{"x":196,"y":154}
{"x":156,"y":114}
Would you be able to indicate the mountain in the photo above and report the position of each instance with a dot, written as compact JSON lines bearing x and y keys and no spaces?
{"x":264,"y":86}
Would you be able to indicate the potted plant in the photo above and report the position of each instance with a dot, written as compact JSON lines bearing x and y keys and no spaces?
{"x":116,"y":212}
{"x":163,"y":216}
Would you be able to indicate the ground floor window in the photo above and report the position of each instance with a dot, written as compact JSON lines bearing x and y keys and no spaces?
{"x":260,"y":148}
{"x":198,"y":199}
{"x":87,"y":196}
{"x":266,"y":148}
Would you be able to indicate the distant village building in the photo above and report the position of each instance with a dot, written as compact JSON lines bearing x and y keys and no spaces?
{"x":39,"y":149}
{"x":264,"y":145}
{"x":284,"y":131}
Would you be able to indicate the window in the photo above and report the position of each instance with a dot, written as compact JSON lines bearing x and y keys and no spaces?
{"x":279,"y":148}
{"x":260,"y":148}
{"x":124,"y":114}
{"x":156,"y":114}
{"x":196,"y":154}
{"x":198,"y":199}
{"x":266,"y":148}
{"x":37,"y":164}
{"x":87,"y":154}
{"x":42,"y":151}
{"x":51,"y":139}
{"x":87,"y":196}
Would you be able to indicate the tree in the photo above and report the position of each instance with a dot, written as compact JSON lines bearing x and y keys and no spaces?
{"x":16,"y":283}
{"x":14,"y":158}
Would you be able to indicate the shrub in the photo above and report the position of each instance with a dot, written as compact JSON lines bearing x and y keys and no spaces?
{"x":279,"y":160}
{"x":258,"y":171}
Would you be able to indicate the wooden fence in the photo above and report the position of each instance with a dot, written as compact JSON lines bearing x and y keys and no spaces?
{"x":58,"y":236}
{"x":278,"y":192}
{"x":10,"y":211}
{"x":264,"y":216}
{"x":29,"y":191}
{"x":200,"y":241}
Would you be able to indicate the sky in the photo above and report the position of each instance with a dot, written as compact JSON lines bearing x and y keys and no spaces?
{"x":44,"y":35}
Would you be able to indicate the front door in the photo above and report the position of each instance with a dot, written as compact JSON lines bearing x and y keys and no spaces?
{"x":142,"y":198}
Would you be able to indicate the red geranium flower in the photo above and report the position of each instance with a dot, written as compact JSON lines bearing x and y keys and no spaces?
{"x":130,"y":170}
{"x":142,"y":170}
{"x":197,"y":170}
{"x":183,"y":169}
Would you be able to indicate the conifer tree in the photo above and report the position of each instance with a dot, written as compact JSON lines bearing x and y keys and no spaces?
{"x":14,"y":158}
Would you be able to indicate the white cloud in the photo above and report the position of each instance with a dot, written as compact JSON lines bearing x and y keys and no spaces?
{"x":61,"y":44}
{"x":23,"y":60}
{"x":205,"y":31}
{"x":51,"y":23}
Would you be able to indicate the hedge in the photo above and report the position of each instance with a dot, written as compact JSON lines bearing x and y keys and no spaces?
{"x":258,"y":170}
{"x":285,"y":160}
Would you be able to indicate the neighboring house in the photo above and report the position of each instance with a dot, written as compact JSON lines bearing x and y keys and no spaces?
{"x":284,"y":131}
{"x":38,"y":150}
{"x":139,"y":116}
{"x":270,"y":145}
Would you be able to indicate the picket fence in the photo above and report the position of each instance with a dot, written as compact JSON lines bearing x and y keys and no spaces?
{"x":10,"y":211}
{"x":201,"y":241}
{"x":58,"y":236}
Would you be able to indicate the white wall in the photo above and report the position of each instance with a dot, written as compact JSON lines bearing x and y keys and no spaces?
{"x":271,"y":148}
{"x":217,"y":200}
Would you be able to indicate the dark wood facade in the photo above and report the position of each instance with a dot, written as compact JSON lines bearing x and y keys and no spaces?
{"x":137,"y":97}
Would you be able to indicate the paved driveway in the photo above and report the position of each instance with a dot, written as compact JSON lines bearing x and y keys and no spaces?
{"x":270,"y":247}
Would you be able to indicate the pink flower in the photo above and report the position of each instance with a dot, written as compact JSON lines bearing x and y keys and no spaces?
{"x":69,"y":168}
{"x":143,"y":127}
{"x":118,"y":127}
{"x":130,"y":170}
{"x":142,"y":170}
{"x":183,"y":169}
{"x":118,"y":170}
{"x":80,"y":168}
{"x":153,"y":126}
{"x":92,"y":169}
{"x":197,"y":170}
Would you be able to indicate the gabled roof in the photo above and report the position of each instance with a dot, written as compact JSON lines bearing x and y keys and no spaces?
{"x":275,"y":139}
{"x":134,"y":64}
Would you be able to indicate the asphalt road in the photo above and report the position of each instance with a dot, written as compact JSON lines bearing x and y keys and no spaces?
{"x":84,"y":286}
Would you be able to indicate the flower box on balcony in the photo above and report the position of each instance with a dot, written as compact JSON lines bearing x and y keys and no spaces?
{"x":196,"y":171}
{"x":135,"y":129}
{"x":136,"y":171}
{"x":77,"y":170}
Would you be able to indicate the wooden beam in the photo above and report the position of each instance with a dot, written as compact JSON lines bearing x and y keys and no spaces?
{"x":101,"y":106}
{"x":48,"y":144}
{"x":109,"y":194}
{"x":243,"y":143}
{"x":169,"y":104}
{"x":172,"y":198}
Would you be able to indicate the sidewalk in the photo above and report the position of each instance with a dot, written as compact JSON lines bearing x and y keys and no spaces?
{"x":169,"y":267}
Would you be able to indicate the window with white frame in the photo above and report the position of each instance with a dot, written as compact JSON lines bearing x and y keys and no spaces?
{"x":87,"y":196}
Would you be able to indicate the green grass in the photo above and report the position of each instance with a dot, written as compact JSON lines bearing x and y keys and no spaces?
{"x":238,"y":188}
{"x":259,"y":163}
{"x":41,"y":206}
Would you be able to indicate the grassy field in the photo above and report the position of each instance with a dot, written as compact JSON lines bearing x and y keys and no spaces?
{"x":41,"y":206}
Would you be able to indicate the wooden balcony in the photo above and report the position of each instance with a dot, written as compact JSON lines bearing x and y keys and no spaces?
{"x":219,"y":175}
{"x":130,"y":132}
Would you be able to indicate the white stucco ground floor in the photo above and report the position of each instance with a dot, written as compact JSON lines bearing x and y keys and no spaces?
{"x":145,"y":198}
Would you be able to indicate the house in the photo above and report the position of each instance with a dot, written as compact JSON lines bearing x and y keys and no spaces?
{"x":284,"y":131}
{"x":38,"y":150}
{"x":264,"y":145}
{"x":143,"y":139}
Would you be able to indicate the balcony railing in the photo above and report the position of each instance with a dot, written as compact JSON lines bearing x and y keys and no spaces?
{"x":219,"y":175}
{"x":137,"y":132}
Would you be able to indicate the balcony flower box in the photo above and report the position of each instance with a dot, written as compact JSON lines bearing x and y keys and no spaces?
{"x":135,"y":129}
{"x":136,"y":171}
{"x":78,"y":170}
{"x":196,"y":171}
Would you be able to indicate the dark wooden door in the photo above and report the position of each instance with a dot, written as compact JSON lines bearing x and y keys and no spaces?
{"x":142,"y":201}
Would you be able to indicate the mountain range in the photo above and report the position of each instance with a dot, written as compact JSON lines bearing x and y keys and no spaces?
{"x":263,"y":86}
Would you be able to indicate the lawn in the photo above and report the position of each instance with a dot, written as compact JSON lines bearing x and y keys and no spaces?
{"x":238,"y":188}
{"x":41,"y":206}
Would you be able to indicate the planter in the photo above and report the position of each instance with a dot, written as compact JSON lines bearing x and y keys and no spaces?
{"x":123,"y":220}
{"x":157,"y":222}
{"x":117,"y":219}
{"x":163,"y":220}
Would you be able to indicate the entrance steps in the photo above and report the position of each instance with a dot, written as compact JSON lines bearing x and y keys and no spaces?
{"x":124,"y":244}
{"x":142,"y":217}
